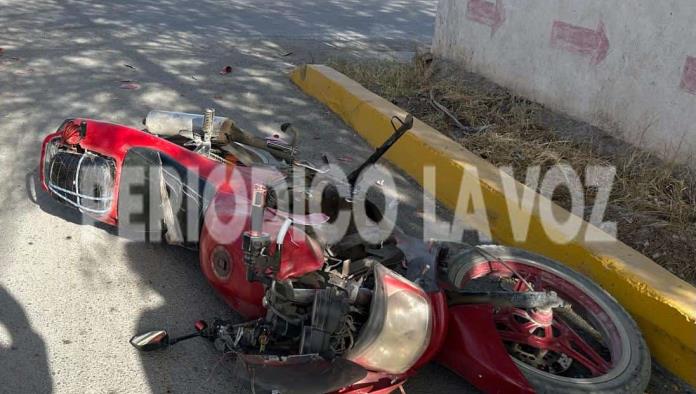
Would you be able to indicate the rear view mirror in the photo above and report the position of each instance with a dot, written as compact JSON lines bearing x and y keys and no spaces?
{"x":151,"y":340}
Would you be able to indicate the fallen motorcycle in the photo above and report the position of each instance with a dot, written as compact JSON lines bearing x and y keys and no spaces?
{"x":337,"y":314}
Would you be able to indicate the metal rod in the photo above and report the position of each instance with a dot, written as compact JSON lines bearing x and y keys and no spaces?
{"x":184,"y":337}
{"x":406,"y":125}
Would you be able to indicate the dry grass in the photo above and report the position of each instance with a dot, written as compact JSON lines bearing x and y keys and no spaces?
{"x":653,"y":202}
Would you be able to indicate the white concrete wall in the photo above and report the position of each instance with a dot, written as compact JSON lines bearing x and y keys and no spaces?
{"x":642,"y":89}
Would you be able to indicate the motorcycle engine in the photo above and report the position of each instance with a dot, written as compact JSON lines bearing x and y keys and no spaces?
{"x":330,"y":324}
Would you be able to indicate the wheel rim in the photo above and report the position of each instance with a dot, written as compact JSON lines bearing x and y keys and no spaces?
{"x":543,"y":344}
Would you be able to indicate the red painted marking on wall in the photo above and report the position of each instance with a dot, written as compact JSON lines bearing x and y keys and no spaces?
{"x":581,"y":40}
{"x":688,"y":81}
{"x":487,"y":13}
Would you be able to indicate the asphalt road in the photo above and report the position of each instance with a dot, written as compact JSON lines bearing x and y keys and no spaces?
{"x":71,"y":293}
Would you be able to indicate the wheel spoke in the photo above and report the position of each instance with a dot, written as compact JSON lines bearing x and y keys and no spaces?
{"x":530,"y":333}
{"x":529,"y":327}
{"x":548,"y":332}
{"x":524,"y":339}
{"x":582,"y":352}
{"x":520,"y":286}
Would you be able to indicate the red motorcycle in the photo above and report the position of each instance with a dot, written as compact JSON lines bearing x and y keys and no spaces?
{"x":327,"y":313}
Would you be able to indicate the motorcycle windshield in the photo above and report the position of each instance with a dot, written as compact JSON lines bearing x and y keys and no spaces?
{"x":300,"y":374}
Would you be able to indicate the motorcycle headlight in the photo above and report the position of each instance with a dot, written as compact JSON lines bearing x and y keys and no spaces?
{"x":398,"y":330}
{"x":50,"y":150}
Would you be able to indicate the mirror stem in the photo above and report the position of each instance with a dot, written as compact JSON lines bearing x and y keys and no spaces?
{"x":183,"y":338}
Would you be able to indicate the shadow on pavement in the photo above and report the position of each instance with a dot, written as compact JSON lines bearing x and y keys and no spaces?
{"x":191,"y":366}
{"x":169,"y":271}
{"x":23,"y":360}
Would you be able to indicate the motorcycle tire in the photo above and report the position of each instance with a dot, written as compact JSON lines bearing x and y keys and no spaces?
{"x":629,"y":373}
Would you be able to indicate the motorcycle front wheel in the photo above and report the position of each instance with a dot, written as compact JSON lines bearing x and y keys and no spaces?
{"x":591,"y":346}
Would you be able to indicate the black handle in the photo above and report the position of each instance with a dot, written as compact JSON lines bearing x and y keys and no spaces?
{"x":405,"y":126}
{"x":287,"y":128}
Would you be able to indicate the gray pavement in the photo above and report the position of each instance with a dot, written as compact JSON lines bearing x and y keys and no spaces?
{"x":71,"y":293}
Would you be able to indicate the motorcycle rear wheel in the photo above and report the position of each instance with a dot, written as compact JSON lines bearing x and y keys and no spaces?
{"x":561,"y":356}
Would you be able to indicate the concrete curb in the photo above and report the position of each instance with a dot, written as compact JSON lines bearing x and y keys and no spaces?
{"x":663,"y":305}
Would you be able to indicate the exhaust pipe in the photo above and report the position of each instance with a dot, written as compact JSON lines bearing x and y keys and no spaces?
{"x":169,"y":123}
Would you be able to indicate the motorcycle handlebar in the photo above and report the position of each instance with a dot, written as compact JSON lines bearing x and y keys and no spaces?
{"x":406,"y":125}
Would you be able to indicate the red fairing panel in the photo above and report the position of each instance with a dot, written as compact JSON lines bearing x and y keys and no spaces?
{"x":232,"y":184}
{"x":114,"y":141}
{"x":474,"y":351}
{"x":374,"y":383}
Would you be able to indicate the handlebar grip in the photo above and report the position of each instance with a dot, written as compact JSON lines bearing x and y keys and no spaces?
{"x":408,"y":122}
{"x":287,"y":128}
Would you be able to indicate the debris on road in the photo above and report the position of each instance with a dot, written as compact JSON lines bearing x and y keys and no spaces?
{"x":129,"y":66}
{"x":129,"y":85}
{"x":226,"y":70}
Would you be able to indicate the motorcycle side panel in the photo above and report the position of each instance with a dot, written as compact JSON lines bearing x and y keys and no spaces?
{"x":299,"y":374}
{"x":374,"y":383}
{"x":474,"y":351}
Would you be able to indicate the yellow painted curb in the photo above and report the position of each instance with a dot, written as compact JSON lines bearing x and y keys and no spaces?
{"x":663,"y":305}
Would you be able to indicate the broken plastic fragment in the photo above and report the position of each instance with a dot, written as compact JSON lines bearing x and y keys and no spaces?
{"x":130,"y":86}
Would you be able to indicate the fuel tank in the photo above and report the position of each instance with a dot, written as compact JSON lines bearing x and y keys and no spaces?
{"x":222,"y":257}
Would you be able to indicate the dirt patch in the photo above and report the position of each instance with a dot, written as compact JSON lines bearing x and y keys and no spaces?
{"x":652,"y":201}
